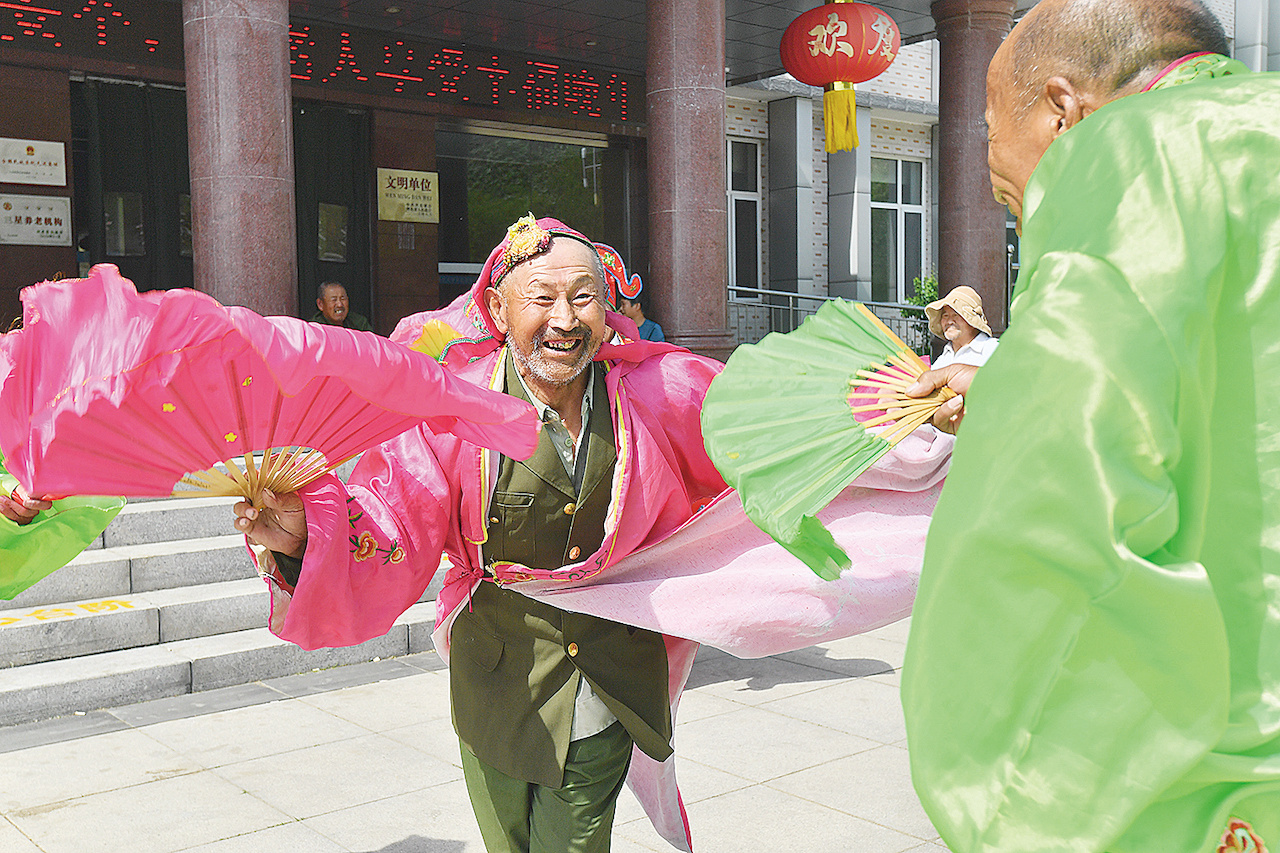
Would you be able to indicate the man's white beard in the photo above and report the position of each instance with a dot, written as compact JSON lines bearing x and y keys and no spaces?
{"x":533,"y":364}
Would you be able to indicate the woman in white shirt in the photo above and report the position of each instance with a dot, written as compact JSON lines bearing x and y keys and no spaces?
{"x":958,"y":318}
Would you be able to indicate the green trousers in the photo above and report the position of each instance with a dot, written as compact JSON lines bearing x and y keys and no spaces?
{"x":521,"y":817}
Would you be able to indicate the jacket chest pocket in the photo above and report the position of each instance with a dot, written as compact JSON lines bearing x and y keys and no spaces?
{"x":513,"y":526}
{"x":481,"y":647}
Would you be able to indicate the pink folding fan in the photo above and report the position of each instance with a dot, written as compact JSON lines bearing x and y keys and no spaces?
{"x":121,"y":393}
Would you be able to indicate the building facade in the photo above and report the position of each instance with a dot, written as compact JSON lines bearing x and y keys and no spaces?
{"x":464,"y":139}
{"x":864,"y":225}
{"x":723,"y":197}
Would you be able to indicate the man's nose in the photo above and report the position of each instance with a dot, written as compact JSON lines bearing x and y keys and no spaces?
{"x":562,"y":314}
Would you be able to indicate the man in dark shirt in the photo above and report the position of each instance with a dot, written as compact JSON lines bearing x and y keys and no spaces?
{"x":335,"y":308}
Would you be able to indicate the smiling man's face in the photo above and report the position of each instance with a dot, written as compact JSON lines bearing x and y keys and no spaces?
{"x":552,"y":311}
{"x":955,"y":328}
{"x":334,"y":305}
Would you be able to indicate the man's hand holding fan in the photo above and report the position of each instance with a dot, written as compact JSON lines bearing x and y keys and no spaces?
{"x":954,"y":376}
{"x":280,"y":525}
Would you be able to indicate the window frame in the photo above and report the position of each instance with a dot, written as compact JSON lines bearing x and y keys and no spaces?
{"x":739,"y":292}
{"x":901,"y":209}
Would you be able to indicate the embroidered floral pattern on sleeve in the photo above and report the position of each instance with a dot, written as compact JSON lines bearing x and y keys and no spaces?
{"x":1240,"y":838}
{"x":364,"y":545}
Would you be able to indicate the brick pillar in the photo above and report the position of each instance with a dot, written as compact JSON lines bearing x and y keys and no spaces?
{"x":971,"y":230}
{"x":240,"y":131}
{"x":406,"y":259}
{"x":688,"y":252}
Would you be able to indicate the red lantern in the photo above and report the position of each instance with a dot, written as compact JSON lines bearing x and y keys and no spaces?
{"x":835,"y":46}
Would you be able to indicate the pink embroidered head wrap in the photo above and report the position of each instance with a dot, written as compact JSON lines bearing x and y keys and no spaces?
{"x":464,"y":330}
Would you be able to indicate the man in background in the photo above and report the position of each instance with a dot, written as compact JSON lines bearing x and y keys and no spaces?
{"x":1094,"y":659}
{"x":957,"y":318}
{"x":633,"y":307}
{"x":335,"y":308}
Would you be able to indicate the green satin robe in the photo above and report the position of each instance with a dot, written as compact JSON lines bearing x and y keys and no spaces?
{"x":1094,"y":659}
{"x":32,"y":551}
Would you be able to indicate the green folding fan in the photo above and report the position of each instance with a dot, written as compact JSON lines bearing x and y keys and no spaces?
{"x":781,"y":422}
{"x":32,"y":551}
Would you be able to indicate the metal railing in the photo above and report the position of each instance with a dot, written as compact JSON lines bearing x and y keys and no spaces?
{"x":1012,"y":266}
{"x":755,"y":312}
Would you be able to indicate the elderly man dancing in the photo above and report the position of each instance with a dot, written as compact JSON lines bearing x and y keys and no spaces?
{"x":1094,"y":662}
{"x":547,"y":703}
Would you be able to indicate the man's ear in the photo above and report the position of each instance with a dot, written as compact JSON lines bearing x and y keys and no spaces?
{"x":1066,"y":104}
{"x":320,"y":304}
{"x":493,"y":299}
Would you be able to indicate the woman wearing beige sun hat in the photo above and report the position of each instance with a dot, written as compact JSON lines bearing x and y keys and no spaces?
{"x":958,"y":318}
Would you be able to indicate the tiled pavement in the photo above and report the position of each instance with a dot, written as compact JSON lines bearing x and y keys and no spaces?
{"x":800,"y":752}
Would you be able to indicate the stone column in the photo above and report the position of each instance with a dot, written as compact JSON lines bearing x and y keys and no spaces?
{"x":688,"y":260}
{"x":849,"y":217}
{"x":406,"y":258}
{"x":971,"y":230}
{"x":790,"y":194}
{"x":240,"y":130}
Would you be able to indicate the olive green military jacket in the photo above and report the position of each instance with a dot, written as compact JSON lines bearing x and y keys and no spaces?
{"x":515,"y":662}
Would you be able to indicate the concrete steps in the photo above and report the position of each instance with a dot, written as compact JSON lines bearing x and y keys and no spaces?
{"x":126,"y":569}
{"x":54,"y":632}
{"x":169,"y":520}
{"x":167,"y":602}
{"x":58,"y":687}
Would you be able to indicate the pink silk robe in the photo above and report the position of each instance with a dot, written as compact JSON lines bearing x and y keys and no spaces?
{"x":678,"y":556}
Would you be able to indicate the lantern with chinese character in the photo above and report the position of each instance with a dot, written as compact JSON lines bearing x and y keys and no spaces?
{"x":835,"y":46}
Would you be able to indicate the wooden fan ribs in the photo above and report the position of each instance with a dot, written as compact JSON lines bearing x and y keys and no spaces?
{"x":890,"y":382}
{"x":285,"y":467}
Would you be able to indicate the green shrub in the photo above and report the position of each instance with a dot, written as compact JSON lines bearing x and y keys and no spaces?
{"x":926,"y":291}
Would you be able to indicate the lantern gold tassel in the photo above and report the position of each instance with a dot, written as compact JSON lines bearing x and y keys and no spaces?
{"x":839,"y":114}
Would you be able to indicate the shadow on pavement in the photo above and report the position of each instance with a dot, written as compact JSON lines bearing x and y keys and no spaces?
{"x":418,"y":844}
{"x":714,"y":667}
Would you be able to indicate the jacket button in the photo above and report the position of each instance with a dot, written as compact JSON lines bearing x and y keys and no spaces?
{"x":574,"y":552}
{"x":573,"y":650}
{"x":493,"y":520}
{"x":570,"y":508}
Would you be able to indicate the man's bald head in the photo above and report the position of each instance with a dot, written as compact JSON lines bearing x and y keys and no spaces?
{"x":1109,"y":47}
{"x":1067,"y":58}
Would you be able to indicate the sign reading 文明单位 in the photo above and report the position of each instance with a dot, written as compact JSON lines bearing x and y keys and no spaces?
{"x":32,"y":161}
{"x":35,"y":220}
{"x":407,"y":196}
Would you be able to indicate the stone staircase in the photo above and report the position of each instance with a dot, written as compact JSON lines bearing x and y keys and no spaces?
{"x":166,"y":602}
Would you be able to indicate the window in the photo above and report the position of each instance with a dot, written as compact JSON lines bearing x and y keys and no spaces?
{"x":897,"y":228}
{"x":744,"y":219}
{"x":1013,"y":263}
{"x":492,"y":175}
{"x":489,"y":178}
